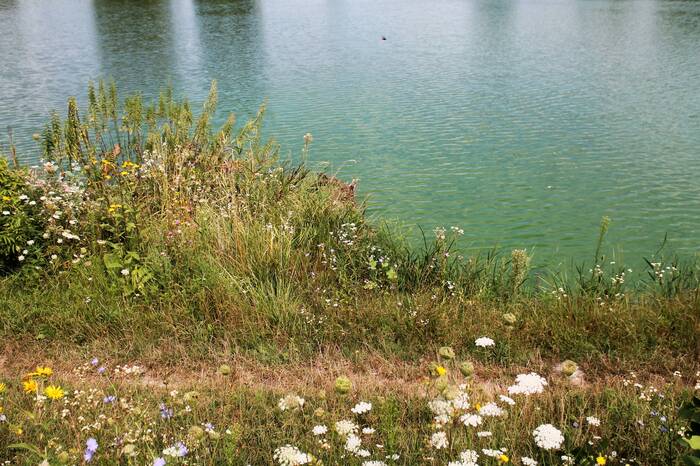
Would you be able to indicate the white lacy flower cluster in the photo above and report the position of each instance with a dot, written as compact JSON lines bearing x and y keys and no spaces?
{"x":466,"y":458}
{"x":290,"y":402}
{"x":291,"y":456}
{"x":528,"y":384}
{"x":548,"y":437}
{"x":445,"y":410}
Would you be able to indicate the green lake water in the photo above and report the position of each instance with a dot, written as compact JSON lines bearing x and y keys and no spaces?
{"x":522,"y":122}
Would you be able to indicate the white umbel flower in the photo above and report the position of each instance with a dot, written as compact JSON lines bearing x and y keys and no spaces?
{"x":353,"y":443}
{"x":345,"y":427}
{"x":528,"y":384}
{"x":548,"y":437}
{"x":362,"y":408}
{"x":527,"y":461}
{"x":290,"y":402}
{"x":439,"y":440}
{"x":291,"y":456}
{"x":592,"y":420}
{"x":320,"y":430}
{"x":484,"y":342}
{"x":471,"y":420}
{"x":491,"y":410}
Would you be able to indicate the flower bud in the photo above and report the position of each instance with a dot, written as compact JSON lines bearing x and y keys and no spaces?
{"x":195,"y":432}
{"x":451,"y":392}
{"x":466,"y":368}
{"x":446,"y":352}
{"x":224,"y":369}
{"x":342,"y":385}
{"x":568,"y":367}
{"x":442,"y":383}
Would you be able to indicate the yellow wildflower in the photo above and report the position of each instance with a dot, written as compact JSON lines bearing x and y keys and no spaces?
{"x":503,"y":458}
{"x":6,"y":198}
{"x":600,"y":460}
{"x":440,"y":370}
{"x":54,"y":392}
{"x":43,"y":371}
{"x":3,"y":387}
{"x":30,"y":386}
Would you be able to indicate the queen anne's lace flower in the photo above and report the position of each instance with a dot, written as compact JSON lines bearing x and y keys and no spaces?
{"x":291,"y":456}
{"x":353,"y":443}
{"x":438,"y":440}
{"x":471,"y":420}
{"x":594,"y":421}
{"x":492,"y":453}
{"x":484,"y":342}
{"x":320,"y":430}
{"x":345,"y":427}
{"x":362,"y":408}
{"x":527,"y":461}
{"x":290,"y":402}
{"x":548,"y":437}
{"x":491,"y":409}
{"x":528,"y":384}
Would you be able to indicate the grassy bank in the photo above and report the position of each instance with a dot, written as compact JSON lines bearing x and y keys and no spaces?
{"x":146,"y":237}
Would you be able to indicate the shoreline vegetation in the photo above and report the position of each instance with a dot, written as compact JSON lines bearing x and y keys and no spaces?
{"x":174,"y":294}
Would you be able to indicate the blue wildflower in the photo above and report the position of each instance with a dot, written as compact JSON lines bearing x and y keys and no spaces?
{"x":165,"y":412}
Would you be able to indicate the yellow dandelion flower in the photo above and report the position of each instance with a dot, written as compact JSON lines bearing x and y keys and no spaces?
{"x":600,"y":460}
{"x":18,"y":430}
{"x":54,"y":392}
{"x":30,"y":386}
{"x":440,"y":370}
{"x":6,"y":198}
{"x":503,"y":458}
{"x":43,"y":371}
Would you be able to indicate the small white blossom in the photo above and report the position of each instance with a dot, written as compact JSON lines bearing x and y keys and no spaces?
{"x":528,"y":384}
{"x":439,"y":440}
{"x":362,"y":408}
{"x":548,"y":437}
{"x":484,"y":342}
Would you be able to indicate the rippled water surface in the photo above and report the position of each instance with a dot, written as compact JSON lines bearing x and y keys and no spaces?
{"x":523,"y":122}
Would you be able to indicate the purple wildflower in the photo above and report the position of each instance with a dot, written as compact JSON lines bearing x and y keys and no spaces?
{"x":90,"y":449}
{"x":165,"y":412}
{"x":109,"y":399}
{"x":159,"y":462}
{"x":95,"y":361}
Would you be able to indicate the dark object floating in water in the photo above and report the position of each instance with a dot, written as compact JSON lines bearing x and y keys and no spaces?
{"x":383,"y":37}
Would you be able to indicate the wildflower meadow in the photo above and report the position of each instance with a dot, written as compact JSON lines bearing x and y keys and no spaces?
{"x":175,"y":294}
